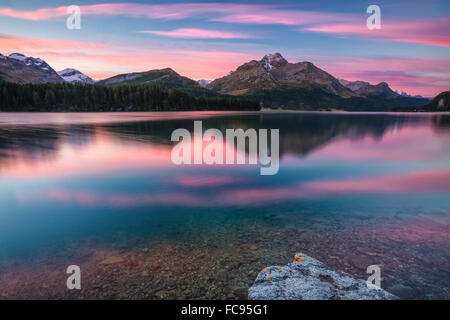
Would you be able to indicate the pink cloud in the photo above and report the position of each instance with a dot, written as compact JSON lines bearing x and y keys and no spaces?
{"x":164,"y":11}
{"x":98,"y":60}
{"x":14,"y":44}
{"x":191,"y":33}
{"x":433,"y":32}
{"x":40,"y":14}
{"x":426,"y":77}
{"x":283,"y":17}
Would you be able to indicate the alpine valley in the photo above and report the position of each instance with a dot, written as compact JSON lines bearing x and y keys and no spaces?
{"x":271,"y":82}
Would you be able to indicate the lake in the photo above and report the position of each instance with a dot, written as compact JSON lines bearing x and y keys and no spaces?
{"x":99,"y":190}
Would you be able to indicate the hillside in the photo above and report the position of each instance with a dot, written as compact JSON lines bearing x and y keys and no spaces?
{"x":273,"y":82}
{"x":166,"y":78}
{"x":21,"y":69}
{"x":440,"y":103}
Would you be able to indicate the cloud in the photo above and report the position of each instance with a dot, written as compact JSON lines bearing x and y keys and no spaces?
{"x":282,"y":17}
{"x":20,"y":44}
{"x":164,"y":11}
{"x":191,"y":33}
{"x":432,"y":32}
{"x":100,"y":60}
{"x":422,"y":76}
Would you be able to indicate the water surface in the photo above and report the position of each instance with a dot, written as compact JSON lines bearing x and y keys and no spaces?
{"x":99,"y":190}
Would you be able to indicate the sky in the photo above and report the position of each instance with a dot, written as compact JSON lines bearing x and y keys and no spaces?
{"x":207,"y":40}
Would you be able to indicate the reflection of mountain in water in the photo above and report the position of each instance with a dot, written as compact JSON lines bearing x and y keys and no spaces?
{"x":300,"y":133}
{"x":441,"y":122}
{"x":37,"y":143}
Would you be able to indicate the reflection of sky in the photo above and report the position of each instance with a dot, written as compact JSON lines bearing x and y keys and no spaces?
{"x":412,"y":158}
{"x":110,"y":174}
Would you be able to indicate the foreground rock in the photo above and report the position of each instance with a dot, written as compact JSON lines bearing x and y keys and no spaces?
{"x":308,"y":279}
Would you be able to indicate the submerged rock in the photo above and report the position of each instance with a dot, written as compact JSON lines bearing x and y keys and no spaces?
{"x":308,"y":279}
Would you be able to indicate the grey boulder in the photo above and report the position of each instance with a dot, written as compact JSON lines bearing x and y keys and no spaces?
{"x":308,"y":279}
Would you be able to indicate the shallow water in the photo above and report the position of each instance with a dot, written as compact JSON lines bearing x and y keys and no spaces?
{"x":100,"y":191}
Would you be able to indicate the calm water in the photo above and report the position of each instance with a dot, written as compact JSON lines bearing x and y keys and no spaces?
{"x":100,"y":191}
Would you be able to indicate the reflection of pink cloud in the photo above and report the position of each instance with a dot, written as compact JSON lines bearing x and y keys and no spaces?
{"x":258,"y":195}
{"x":396,"y":145}
{"x":205,"y":181}
{"x":432,"y":181}
{"x":433,"y":32}
{"x":117,"y":199}
{"x":422,"y":182}
{"x":191,"y":33}
{"x":102,"y":155}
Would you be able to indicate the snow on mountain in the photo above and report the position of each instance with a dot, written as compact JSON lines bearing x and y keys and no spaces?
{"x":203,"y":82}
{"x":72,"y":76}
{"x":273,"y":60}
{"x":404,"y":94}
{"x":22,"y":69}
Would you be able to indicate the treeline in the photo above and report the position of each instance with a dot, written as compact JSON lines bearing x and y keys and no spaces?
{"x":51,"y":97}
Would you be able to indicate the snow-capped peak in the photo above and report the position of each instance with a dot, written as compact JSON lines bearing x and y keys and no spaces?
{"x":203,"y":82}
{"x":72,"y":75}
{"x":18,"y":56}
{"x":29,"y":60}
{"x":271,"y":60}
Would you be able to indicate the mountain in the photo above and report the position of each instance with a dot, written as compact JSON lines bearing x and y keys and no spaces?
{"x":167,"y":78}
{"x":203,"y":82}
{"x":439,"y":103}
{"x":366,"y":89}
{"x":273,"y":72}
{"x":21,"y":69}
{"x":74,"y":76}
{"x":404,"y":94}
{"x":274,"y":82}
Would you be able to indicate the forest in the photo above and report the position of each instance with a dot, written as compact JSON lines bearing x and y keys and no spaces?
{"x":54,"y":97}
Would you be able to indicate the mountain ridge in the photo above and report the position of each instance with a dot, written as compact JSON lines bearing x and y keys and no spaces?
{"x":272,"y":82}
{"x":22,"y":69}
{"x":74,"y":76}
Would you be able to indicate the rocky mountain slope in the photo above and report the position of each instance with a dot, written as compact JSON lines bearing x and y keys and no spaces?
{"x":275,"y":72}
{"x":75,"y":76}
{"x":366,"y":89}
{"x":21,"y":69}
{"x":440,"y":103}
{"x":276,"y":83}
{"x":271,"y":82}
{"x":167,"y":78}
